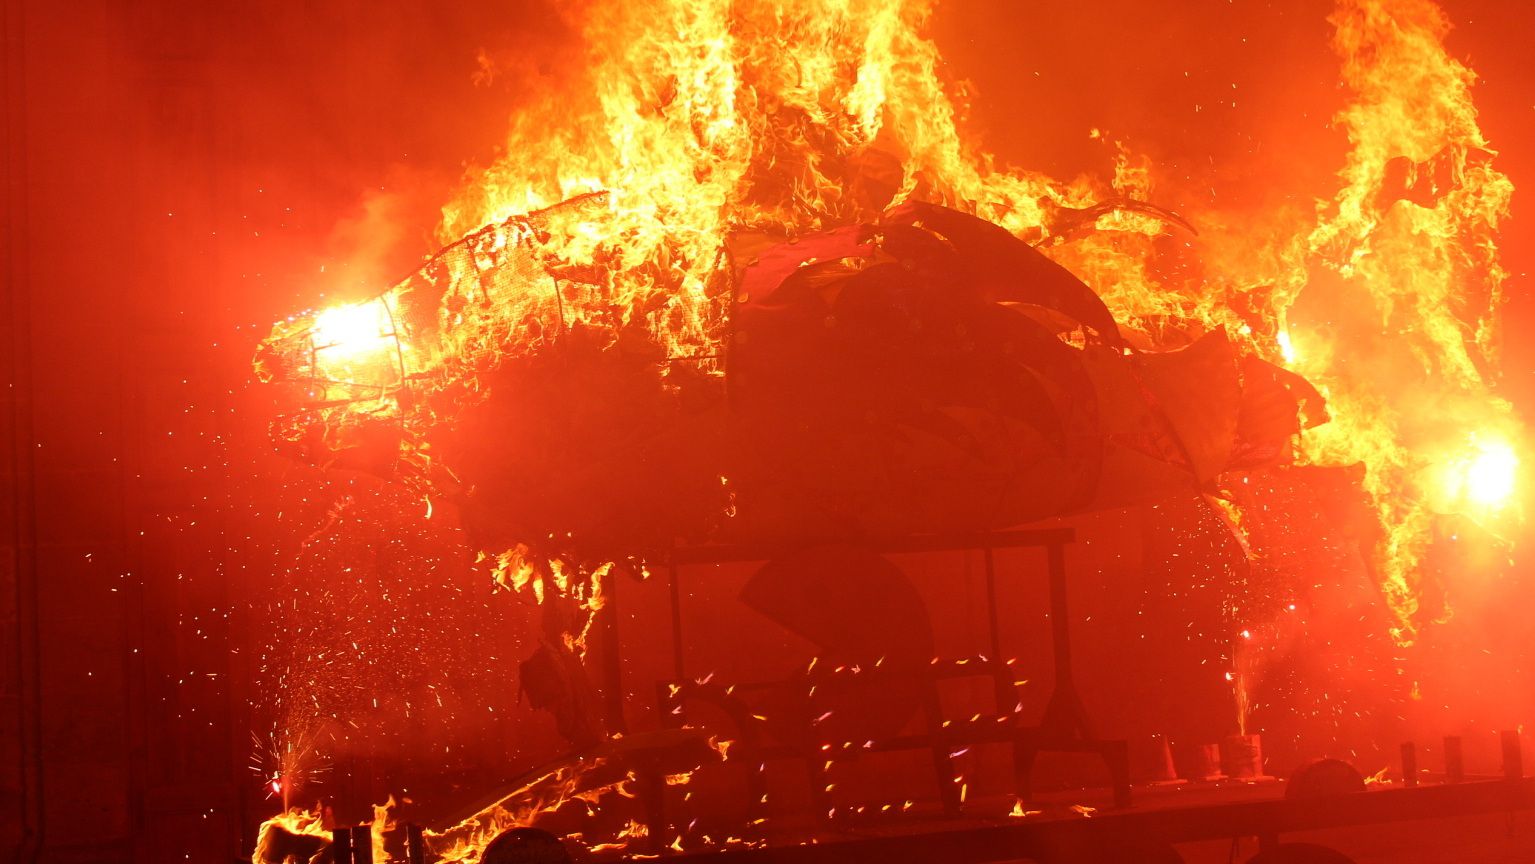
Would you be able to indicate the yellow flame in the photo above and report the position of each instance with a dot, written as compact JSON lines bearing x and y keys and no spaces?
{"x":354,"y":328}
{"x":698,"y":117}
{"x":545,"y":794}
{"x":1490,"y":474}
{"x":1411,"y":237}
{"x":382,"y":824}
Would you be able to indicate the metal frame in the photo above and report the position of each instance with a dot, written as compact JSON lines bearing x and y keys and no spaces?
{"x":1064,"y":727}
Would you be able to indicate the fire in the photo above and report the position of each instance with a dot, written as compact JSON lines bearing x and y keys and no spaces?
{"x":351,"y":342}
{"x":795,"y":117}
{"x":382,"y":824}
{"x":540,"y":797}
{"x":605,"y":222}
{"x":1287,"y":349}
{"x":275,"y":846}
{"x":355,"y":329}
{"x":1020,"y":811}
{"x":295,"y":834}
{"x":1411,"y":237}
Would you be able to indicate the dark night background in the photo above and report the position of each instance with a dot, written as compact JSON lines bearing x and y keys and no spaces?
{"x":178,"y":175}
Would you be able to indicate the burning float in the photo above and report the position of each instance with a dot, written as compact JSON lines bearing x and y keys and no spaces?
{"x":757,"y":302}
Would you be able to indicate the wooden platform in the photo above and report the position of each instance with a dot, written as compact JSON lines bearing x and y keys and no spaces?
{"x":1258,"y":813}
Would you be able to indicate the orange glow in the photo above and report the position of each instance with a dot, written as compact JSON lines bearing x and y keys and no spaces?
{"x":606,"y":222}
{"x":354,"y":329}
{"x":794,"y":117}
{"x":1491,"y":474}
{"x":358,"y":347}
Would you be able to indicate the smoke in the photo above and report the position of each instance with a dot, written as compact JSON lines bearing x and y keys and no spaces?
{"x":339,"y":128}
{"x":365,"y":245}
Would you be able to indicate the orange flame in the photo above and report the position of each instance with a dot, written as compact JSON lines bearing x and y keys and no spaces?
{"x":1411,"y":238}
{"x":793,"y":116}
{"x":811,"y":88}
{"x":296,"y":820}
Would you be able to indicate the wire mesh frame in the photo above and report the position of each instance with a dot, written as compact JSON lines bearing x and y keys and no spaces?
{"x":383,"y":390}
{"x":399,"y":356}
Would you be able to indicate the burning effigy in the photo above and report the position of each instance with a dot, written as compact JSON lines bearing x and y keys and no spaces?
{"x":758,"y":292}
{"x":923,"y":373}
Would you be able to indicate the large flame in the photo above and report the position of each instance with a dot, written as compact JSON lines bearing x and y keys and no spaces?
{"x":785,"y":114}
{"x":1410,"y":241}
{"x":693,"y":119}
{"x":778,"y":115}
{"x":791,"y":117}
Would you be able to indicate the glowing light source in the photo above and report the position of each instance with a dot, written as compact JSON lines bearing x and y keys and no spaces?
{"x":1489,"y":475}
{"x":678,"y":137}
{"x":1286,"y":347}
{"x":357,"y":349}
{"x":1483,"y":478}
{"x":353,"y":328}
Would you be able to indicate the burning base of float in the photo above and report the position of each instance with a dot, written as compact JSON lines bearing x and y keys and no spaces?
{"x":789,"y":424}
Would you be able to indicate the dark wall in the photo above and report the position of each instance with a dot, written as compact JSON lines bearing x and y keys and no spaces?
{"x":124,"y":626}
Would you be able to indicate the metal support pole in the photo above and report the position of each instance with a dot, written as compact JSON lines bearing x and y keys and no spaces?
{"x":341,"y":845}
{"x":991,"y":605}
{"x":25,"y":652}
{"x":672,"y":579}
{"x":1060,"y":623}
{"x":612,"y":657}
{"x":1454,"y":762}
{"x":415,"y":844}
{"x":362,"y":844}
{"x":1004,"y":693}
{"x":1064,"y":717}
{"x":1513,"y":761}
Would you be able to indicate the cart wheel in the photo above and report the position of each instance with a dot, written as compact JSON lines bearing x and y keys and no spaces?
{"x":1300,"y":853}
